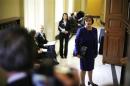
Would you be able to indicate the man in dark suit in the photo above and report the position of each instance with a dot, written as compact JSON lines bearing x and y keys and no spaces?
{"x":41,"y":38}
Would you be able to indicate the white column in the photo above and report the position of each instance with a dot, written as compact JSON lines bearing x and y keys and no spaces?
{"x":39,"y":14}
{"x":70,"y":6}
{"x":33,"y":14}
{"x":29,"y":14}
{"x":49,"y":19}
{"x":58,"y":14}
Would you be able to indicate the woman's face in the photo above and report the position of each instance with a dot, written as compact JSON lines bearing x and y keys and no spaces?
{"x":65,"y":17}
{"x":88,"y":22}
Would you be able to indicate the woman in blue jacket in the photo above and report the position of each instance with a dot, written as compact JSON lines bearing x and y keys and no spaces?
{"x":87,"y":36}
{"x":64,"y":29}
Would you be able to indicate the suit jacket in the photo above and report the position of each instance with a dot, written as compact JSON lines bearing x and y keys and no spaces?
{"x":41,"y":40}
{"x":64,"y":27}
{"x":87,"y":38}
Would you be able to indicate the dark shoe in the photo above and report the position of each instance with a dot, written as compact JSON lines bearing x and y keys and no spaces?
{"x":55,"y":62}
{"x":62,"y":57}
{"x":82,"y":84}
{"x":91,"y":83}
{"x":65,"y":57}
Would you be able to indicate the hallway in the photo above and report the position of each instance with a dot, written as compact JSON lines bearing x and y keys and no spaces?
{"x":115,"y":14}
{"x":102,"y":75}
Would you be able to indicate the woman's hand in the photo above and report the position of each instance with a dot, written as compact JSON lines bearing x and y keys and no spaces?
{"x":66,"y":32}
{"x":40,"y":50}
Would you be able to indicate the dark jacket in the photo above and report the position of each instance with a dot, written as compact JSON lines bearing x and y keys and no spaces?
{"x":73,"y":25}
{"x":87,"y":38}
{"x":41,"y":40}
{"x":65,"y":27}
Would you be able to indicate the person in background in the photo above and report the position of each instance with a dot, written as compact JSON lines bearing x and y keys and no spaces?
{"x":73,"y":23}
{"x":39,"y":53}
{"x":101,"y":37}
{"x":41,"y":38}
{"x":64,"y":29}
{"x":86,"y":37}
{"x":43,"y":68}
{"x":80,"y":19}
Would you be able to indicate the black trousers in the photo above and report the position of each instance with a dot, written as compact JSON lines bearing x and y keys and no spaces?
{"x":64,"y":46}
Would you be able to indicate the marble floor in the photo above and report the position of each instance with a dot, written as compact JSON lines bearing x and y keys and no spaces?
{"x":102,"y":74}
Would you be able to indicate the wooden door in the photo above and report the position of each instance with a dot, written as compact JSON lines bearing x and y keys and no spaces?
{"x":115,"y":32}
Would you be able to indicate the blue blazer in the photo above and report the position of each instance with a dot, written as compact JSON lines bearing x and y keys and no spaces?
{"x":87,"y":38}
